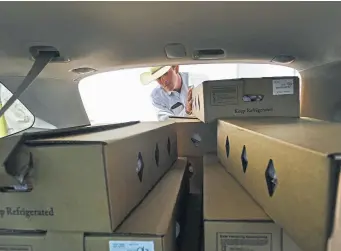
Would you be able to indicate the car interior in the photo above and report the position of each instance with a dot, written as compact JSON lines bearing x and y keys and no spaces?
{"x":48,"y":48}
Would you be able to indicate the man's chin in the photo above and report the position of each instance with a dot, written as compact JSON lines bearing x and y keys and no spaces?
{"x":168,"y":89}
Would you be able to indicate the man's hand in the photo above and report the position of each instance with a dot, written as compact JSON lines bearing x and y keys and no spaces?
{"x":189,"y":102}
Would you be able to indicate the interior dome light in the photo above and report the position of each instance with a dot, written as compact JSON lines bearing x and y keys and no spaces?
{"x":283,"y":59}
{"x":83,"y":70}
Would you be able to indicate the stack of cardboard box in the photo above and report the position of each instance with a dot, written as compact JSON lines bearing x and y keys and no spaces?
{"x":281,"y":184}
{"x":105,"y":188}
{"x":268,"y":178}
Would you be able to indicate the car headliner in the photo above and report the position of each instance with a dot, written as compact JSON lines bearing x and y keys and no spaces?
{"x":106,"y":35}
{"x":113,"y":35}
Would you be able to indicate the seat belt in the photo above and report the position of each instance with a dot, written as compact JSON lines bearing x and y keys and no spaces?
{"x":40,"y":63}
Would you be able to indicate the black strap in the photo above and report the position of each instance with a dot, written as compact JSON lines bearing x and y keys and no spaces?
{"x":39,"y":64}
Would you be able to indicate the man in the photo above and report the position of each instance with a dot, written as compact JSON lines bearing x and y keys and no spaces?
{"x":173,"y":96}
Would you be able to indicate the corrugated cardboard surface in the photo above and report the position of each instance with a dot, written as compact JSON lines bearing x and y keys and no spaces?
{"x":288,"y":243}
{"x":198,"y":105}
{"x":227,"y":98}
{"x":90,"y":178}
{"x":334,"y":243}
{"x":321,"y":92}
{"x":232,"y":220}
{"x":307,"y":175}
{"x":195,"y":138}
{"x":151,"y":224}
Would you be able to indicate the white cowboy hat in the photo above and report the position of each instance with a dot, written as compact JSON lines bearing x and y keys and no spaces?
{"x":153,"y":74}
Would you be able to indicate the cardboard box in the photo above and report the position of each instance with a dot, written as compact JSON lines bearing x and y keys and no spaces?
{"x":194,"y":137}
{"x":334,"y":242}
{"x":150,"y":227}
{"x":291,"y":167}
{"x":13,"y":173}
{"x":247,"y":97}
{"x":288,"y":243}
{"x":89,"y":182}
{"x":232,"y":220}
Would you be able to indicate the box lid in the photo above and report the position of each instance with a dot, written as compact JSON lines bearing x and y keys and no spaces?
{"x":154,"y":214}
{"x":319,"y":136}
{"x":224,"y":198}
{"x":100,"y":136}
{"x":11,"y":145}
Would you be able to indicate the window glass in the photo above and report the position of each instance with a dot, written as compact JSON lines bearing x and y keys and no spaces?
{"x":17,"y":118}
{"x":119,"y":96}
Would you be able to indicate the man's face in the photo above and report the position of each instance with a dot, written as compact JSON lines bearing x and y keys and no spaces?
{"x":168,"y":81}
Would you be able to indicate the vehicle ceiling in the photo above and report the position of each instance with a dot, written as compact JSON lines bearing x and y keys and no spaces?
{"x":115,"y":34}
{"x":112,"y":35}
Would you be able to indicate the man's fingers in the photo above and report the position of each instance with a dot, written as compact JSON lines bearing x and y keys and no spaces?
{"x":189,"y":107}
{"x":189,"y":104}
{"x":189,"y":95}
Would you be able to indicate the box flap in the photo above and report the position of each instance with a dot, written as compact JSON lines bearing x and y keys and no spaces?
{"x":154,"y":214}
{"x":319,"y":136}
{"x":77,"y":130}
{"x":110,"y":134}
{"x":185,"y":120}
{"x":10,"y":143}
{"x":8,"y":146}
{"x":224,"y":198}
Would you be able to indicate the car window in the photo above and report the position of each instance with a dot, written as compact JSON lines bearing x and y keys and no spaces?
{"x":118,"y":96}
{"x":17,"y":118}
